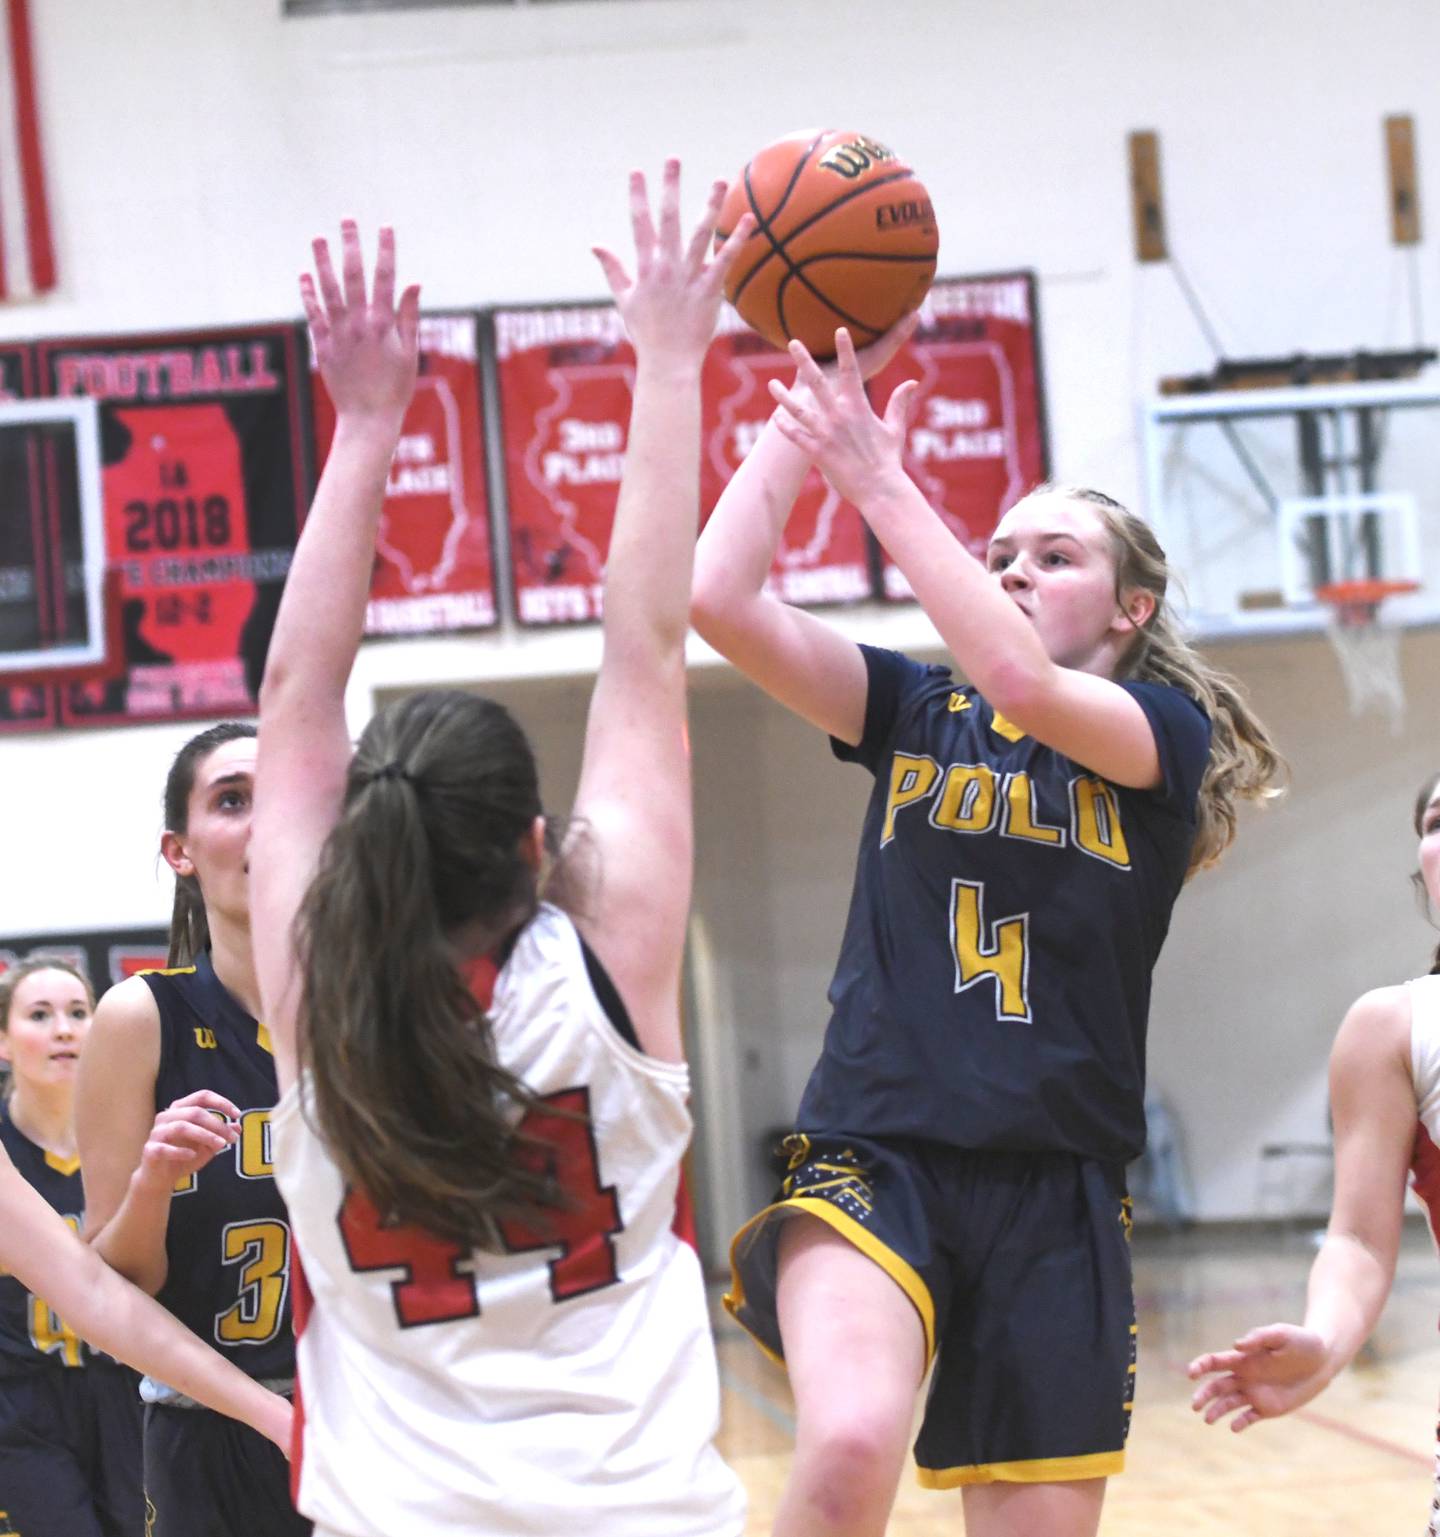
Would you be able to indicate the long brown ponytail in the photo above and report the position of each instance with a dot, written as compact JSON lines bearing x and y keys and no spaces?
{"x":417,"y":1111}
{"x":189,"y":927}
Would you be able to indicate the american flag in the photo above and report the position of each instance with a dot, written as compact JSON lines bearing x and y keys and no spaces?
{"x":27,"y":257}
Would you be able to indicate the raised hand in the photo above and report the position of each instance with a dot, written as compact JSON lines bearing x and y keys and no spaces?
{"x":186,"y":1135}
{"x":671,"y":302}
{"x":1270,"y":1371}
{"x":365,"y":344}
{"x":828,"y":415}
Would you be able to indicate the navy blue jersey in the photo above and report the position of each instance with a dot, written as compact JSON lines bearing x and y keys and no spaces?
{"x":228,"y":1238}
{"x":1009,"y":905}
{"x":32,"y":1337}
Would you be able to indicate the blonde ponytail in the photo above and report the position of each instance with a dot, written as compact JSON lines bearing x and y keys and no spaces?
{"x":1244,"y":763}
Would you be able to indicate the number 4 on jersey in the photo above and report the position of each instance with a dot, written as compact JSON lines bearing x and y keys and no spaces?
{"x":437,"y":1286}
{"x":563,"y":1137}
{"x":433,"y":1288}
{"x":997,"y":953}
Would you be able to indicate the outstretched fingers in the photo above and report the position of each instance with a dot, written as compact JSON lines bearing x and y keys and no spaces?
{"x":793,"y":432}
{"x":728,"y":253}
{"x":314,"y":314}
{"x":330,"y":294}
{"x":670,"y":208}
{"x":874,"y":356}
{"x":704,"y":233}
{"x":850,"y":380}
{"x":407,"y":318}
{"x":901,"y":406}
{"x":352,"y":266}
{"x":365,"y":342}
{"x":669,"y":297}
{"x":797,"y":412}
{"x":810,"y":374}
{"x":613,"y":268}
{"x":382,"y":302}
{"x":641,"y":223}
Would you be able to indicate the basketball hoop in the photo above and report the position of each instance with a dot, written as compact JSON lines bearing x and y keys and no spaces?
{"x":1368,"y":647}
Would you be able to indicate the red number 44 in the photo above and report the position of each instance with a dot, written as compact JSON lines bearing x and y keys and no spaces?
{"x":437,"y":1285}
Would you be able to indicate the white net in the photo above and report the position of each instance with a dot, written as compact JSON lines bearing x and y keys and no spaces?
{"x":1369,"y":652}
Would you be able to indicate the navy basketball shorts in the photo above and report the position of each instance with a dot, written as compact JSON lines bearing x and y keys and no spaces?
{"x":70,"y":1453}
{"x":1018,"y":1265}
{"x":209,"y":1476}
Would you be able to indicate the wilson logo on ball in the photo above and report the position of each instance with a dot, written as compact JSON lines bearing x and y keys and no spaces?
{"x":855,"y":158}
{"x":845,"y":235}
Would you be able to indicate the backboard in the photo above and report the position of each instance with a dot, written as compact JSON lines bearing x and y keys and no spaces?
{"x":52,"y":549}
{"x":1263,"y":496}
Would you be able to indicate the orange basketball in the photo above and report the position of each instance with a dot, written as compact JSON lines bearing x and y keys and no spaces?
{"x":845,"y":236}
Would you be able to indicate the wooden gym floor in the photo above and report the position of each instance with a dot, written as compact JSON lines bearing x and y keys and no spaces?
{"x":1358,"y":1460}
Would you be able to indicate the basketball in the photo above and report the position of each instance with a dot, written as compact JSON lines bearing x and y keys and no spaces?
{"x":845,"y":236}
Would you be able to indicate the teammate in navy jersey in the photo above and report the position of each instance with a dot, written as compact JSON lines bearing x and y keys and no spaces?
{"x":70,"y":1463}
{"x":69,"y":1417}
{"x":174,"y":1108}
{"x":1385,"y":1105}
{"x":506,"y":1333}
{"x":956,"y":1190}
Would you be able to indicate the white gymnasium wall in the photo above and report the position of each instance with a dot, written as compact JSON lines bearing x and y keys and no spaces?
{"x":195,"y":145}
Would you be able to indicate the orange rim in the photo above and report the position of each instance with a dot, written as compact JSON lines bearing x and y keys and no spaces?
{"x":1363,"y":593}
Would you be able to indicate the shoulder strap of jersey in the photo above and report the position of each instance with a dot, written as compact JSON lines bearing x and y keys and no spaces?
{"x":1425,"y":1027}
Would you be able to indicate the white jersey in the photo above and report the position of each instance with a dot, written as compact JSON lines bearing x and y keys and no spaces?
{"x":1425,"y":1050}
{"x":549,"y":1390}
{"x":1424,"y":994}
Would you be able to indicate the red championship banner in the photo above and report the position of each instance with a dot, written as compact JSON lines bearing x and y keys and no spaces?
{"x":566,"y":375}
{"x":824,"y":552}
{"x":433,"y":566}
{"x":205,"y":470}
{"x":28,"y":571}
{"x":977,"y":437}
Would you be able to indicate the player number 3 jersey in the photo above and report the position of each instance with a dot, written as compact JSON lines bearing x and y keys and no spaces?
{"x":227,"y":1243}
{"x":566,"y":1385}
